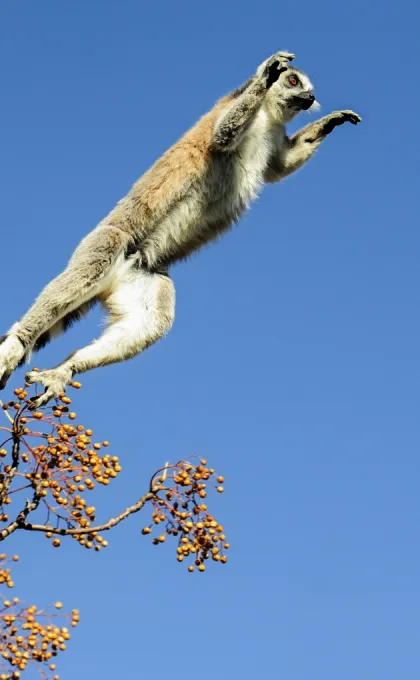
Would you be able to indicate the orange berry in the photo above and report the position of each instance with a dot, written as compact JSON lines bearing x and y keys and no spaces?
{"x":146,"y":530}
{"x":201,"y":567}
{"x":56,"y":543}
{"x":191,"y":568}
{"x":76,"y":385}
{"x":220,"y":489}
{"x":220,"y":479}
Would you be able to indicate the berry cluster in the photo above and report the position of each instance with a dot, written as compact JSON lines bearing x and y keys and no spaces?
{"x":62,"y":463}
{"x":178,"y":505}
{"x":28,"y":634}
{"x":54,"y":463}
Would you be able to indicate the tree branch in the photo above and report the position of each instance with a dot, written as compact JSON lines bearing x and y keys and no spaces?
{"x":13,"y":468}
{"x":20,"y":523}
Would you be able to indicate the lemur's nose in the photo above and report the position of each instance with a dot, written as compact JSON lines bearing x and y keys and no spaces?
{"x":311,"y":96}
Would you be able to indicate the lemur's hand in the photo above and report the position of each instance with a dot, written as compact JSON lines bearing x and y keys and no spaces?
{"x":338,"y":118}
{"x":274,"y":66}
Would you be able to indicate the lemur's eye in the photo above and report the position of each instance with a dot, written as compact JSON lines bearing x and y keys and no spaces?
{"x":293,"y":80}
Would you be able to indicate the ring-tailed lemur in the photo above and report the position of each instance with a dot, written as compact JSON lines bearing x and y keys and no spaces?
{"x":190,"y":196}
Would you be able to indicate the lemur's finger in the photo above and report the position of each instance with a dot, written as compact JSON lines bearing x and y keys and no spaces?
{"x":286,"y":55}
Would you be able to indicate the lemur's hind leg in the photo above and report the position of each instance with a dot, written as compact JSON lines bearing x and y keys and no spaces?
{"x":141,"y":307}
{"x":81,"y":282}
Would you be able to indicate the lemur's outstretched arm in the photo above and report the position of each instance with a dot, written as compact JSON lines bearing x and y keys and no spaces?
{"x":233,"y":123}
{"x":300,"y":148}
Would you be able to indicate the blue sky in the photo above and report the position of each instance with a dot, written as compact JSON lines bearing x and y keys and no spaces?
{"x":293,"y":364}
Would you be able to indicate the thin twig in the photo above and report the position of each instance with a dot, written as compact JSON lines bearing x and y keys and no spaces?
{"x":8,"y":416}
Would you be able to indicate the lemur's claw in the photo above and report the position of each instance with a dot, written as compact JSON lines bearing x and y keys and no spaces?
{"x":41,"y":400}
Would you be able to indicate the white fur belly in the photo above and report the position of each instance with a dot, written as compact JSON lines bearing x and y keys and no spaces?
{"x":175,"y":229}
{"x":250,"y":166}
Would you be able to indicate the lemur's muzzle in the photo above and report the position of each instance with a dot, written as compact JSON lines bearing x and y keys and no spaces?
{"x":305,"y":100}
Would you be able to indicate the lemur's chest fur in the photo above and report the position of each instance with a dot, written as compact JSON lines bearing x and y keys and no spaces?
{"x":209,"y":207}
{"x":244,"y":170}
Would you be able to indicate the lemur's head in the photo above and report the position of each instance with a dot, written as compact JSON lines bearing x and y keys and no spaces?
{"x":290,"y":94}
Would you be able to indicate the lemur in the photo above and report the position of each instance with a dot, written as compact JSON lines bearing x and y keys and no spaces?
{"x":189,"y":197}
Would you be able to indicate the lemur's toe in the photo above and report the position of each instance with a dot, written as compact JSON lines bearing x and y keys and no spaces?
{"x":32,"y":377}
{"x":41,"y":400}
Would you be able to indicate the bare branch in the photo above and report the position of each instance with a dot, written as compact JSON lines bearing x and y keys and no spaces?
{"x":19,"y":523}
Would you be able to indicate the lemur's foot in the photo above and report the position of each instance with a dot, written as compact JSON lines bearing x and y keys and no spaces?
{"x":55,"y":381}
{"x":11,"y":354}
